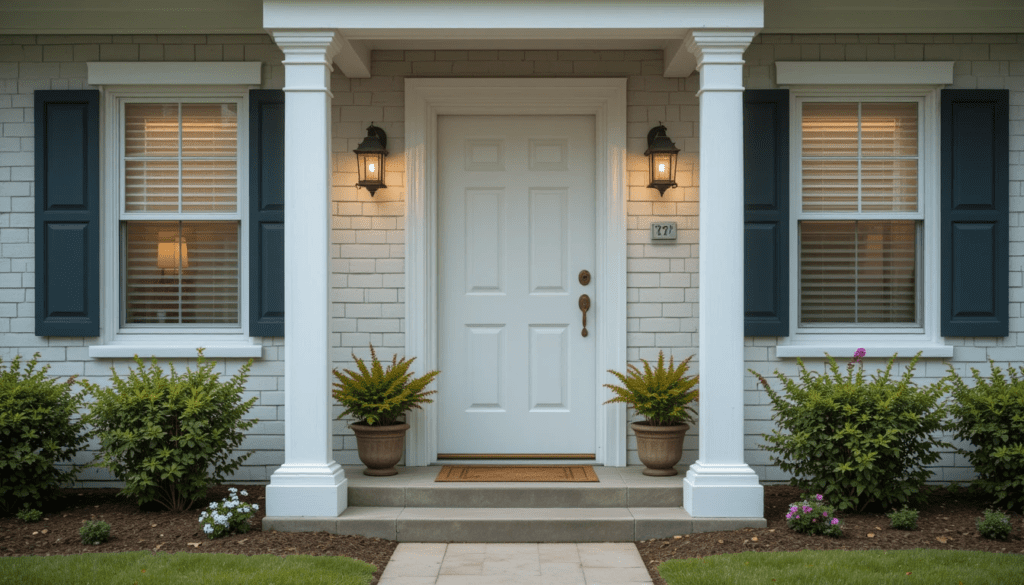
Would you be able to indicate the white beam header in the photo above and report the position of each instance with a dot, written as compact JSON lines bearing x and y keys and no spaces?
{"x":399,"y":17}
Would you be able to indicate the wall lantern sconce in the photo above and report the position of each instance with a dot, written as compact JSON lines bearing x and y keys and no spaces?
{"x":662,"y":153}
{"x":172,"y":256}
{"x":370,"y":155}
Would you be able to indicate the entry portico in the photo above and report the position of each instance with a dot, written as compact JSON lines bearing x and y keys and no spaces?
{"x":315,"y":38}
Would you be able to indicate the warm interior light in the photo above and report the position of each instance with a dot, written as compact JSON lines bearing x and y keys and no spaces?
{"x":172,"y":255}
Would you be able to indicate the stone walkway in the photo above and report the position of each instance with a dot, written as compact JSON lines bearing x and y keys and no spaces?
{"x":516,"y":564}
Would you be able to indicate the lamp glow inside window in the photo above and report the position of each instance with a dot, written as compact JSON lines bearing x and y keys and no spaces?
{"x":180,"y":219}
{"x":859,"y":213}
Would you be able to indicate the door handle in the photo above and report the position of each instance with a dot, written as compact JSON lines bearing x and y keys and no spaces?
{"x":584,"y":306}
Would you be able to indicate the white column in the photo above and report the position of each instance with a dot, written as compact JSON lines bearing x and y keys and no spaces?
{"x":310,"y":483}
{"x":720,"y":483}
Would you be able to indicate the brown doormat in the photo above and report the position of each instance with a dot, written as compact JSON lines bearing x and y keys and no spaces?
{"x":483,"y":473}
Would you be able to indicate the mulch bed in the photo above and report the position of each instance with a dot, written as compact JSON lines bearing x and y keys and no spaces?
{"x":132,"y":529}
{"x":946,"y":523}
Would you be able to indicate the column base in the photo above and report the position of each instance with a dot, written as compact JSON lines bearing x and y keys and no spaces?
{"x":307,"y":490}
{"x":722,"y":491}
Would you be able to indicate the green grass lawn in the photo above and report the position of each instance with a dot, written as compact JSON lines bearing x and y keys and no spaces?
{"x":146,"y":568}
{"x":906,"y":567}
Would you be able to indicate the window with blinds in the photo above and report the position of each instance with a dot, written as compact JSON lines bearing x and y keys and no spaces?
{"x":859,"y":218}
{"x":180,"y":221}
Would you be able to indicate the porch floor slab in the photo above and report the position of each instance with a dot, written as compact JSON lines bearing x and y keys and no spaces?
{"x":618,"y":487}
{"x":411,"y":507}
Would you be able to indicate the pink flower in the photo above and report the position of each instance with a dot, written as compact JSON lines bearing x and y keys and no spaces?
{"x":819,"y":497}
{"x":808,"y":509}
{"x":835,"y":521}
{"x":857,"y":355}
{"x":825,"y":514}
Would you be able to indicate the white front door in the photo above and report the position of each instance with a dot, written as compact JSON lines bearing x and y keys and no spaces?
{"x":516,"y":228}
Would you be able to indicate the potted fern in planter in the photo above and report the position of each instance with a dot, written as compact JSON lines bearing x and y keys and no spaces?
{"x":664,"y":396}
{"x":378,"y":398}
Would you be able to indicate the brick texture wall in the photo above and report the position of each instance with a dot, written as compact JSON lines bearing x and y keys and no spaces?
{"x":367,"y":245}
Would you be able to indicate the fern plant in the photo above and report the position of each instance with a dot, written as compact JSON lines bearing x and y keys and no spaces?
{"x":663,"y":395}
{"x":376,"y":396}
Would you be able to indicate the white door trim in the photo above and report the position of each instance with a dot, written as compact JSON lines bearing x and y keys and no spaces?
{"x":605,"y":99}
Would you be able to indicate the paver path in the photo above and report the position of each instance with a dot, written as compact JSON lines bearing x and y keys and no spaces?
{"x":516,"y":564}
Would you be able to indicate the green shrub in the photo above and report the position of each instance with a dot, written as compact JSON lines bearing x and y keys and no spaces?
{"x":995,"y":525}
{"x":905,"y":519}
{"x":27,"y":515}
{"x":169,"y":438}
{"x":990,"y":416}
{"x":377,"y":397}
{"x":861,"y":442}
{"x":38,"y":429}
{"x":94,"y":532}
{"x":662,"y":395}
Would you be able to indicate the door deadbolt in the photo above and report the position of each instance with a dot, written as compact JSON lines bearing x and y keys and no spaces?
{"x":584,"y":277}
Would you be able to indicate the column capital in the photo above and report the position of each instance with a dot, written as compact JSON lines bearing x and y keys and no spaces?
{"x":308,"y":46}
{"x":722,"y":47}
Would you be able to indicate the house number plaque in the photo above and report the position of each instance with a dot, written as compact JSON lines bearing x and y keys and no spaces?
{"x":663,"y":230}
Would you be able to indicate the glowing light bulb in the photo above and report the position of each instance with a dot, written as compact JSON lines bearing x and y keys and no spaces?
{"x":661,"y":168}
{"x":372,"y":167}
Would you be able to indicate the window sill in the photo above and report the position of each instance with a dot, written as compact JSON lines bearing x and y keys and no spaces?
{"x":843,"y":351}
{"x":146,"y":350}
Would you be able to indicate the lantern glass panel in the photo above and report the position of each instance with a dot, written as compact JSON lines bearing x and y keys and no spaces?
{"x":663,"y":167}
{"x":371,"y":167}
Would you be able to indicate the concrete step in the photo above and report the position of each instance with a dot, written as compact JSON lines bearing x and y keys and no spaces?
{"x":415,"y":487}
{"x":560,"y":524}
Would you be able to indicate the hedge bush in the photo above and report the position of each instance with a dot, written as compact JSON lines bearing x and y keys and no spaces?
{"x":863,"y":443}
{"x":38,"y":429}
{"x":169,"y":438}
{"x":990,"y":416}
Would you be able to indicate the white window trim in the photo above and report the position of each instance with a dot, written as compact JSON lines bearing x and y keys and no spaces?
{"x":118,"y":342}
{"x":877,"y":341}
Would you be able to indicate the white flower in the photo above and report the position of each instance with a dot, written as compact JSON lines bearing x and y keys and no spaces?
{"x":232,"y":489}
{"x":245,"y":493}
{"x":255,"y":506}
{"x":208,"y":529}
{"x":213,"y":505}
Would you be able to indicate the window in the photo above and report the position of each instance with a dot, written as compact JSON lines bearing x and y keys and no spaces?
{"x":179,"y":214}
{"x":859,"y":213}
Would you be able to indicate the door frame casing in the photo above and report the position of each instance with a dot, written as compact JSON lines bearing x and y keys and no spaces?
{"x":605,"y":99}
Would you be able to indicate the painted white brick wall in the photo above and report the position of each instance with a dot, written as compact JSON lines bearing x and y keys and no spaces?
{"x":28,"y":63}
{"x":980,"y":62}
{"x":367,"y":246}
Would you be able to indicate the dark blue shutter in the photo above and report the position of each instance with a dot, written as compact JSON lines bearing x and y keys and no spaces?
{"x":67,"y":220}
{"x":766,"y":212}
{"x":266,"y":213}
{"x":975,"y":213}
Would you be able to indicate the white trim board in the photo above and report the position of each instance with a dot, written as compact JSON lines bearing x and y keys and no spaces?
{"x":425,"y":100}
{"x":863,"y":73}
{"x":174,"y":73}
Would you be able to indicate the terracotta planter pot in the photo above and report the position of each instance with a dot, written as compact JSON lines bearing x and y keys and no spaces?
{"x":659,"y":448}
{"x":380,"y":447}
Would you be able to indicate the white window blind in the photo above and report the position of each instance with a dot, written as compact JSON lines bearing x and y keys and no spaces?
{"x":180,"y":162}
{"x":858,"y":221}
